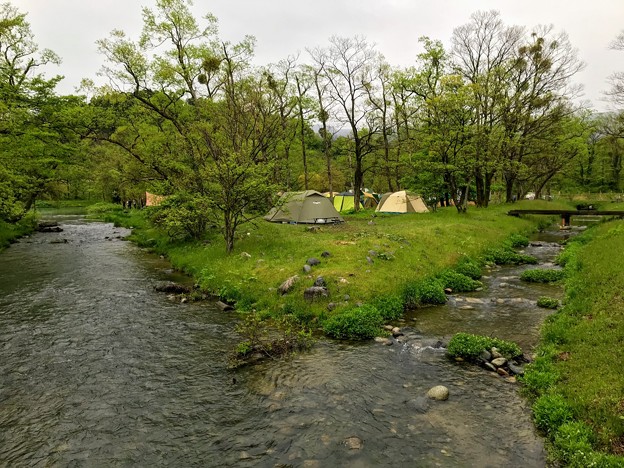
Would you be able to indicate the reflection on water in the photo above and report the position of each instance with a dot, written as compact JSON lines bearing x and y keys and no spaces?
{"x":99,"y":370}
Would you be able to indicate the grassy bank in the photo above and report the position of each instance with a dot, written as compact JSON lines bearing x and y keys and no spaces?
{"x":577,"y":382}
{"x":367,"y":258}
{"x":10,"y":232}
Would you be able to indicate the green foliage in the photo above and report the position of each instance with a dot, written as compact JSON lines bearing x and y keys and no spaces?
{"x":427,"y":291}
{"x":518,"y":241}
{"x":542,"y":276}
{"x":357,"y":323}
{"x":468,"y":346}
{"x":243,"y":348}
{"x":470,"y":268}
{"x":390,"y":306}
{"x":182,"y":216}
{"x":573,"y":442}
{"x":548,"y":302}
{"x":458,"y":282}
{"x":103,"y":207}
{"x":507,"y":256}
{"x":550,"y":411}
{"x":11,"y":231}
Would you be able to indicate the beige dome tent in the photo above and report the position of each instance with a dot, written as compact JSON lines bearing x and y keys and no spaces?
{"x":401,"y":202}
{"x":309,"y":207}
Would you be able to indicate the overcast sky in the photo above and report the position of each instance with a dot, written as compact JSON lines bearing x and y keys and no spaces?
{"x":284,"y":27}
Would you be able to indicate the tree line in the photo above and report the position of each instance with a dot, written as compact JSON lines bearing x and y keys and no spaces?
{"x":188,"y":115}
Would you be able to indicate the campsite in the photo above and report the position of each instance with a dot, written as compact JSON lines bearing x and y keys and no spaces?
{"x":214,"y":254}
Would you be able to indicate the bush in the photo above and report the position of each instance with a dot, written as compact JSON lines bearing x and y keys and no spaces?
{"x":542,"y":276}
{"x":428,"y":291}
{"x":358,"y":323}
{"x":550,"y":412}
{"x":458,"y":282}
{"x":468,"y":346}
{"x":468,"y":267}
{"x":573,"y":441}
{"x":390,"y":307}
{"x":182,"y":216}
{"x":518,"y":240}
{"x":547,"y":302}
{"x":506,"y":256}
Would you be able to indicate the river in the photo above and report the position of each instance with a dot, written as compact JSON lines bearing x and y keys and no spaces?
{"x":98,"y":369}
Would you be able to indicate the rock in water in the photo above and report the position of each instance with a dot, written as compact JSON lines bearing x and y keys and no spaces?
{"x":354,"y":443}
{"x":171,"y":287}
{"x":439,"y":392}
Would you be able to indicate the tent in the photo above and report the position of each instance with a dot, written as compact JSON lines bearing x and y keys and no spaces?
{"x":309,"y":207}
{"x":344,"y":201}
{"x":401,"y":202}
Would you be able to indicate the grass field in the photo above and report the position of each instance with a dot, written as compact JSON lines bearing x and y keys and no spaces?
{"x":369,"y":256}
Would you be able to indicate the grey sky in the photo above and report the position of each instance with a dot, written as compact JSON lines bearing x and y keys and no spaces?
{"x":284,"y":27}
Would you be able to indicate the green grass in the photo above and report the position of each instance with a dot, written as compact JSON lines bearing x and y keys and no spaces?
{"x":468,"y":346}
{"x":10,"y":232}
{"x":542,"y":275}
{"x":416,"y":248}
{"x":581,"y":351}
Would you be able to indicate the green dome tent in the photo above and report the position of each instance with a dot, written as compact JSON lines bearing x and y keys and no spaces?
{"x":309,"y":207}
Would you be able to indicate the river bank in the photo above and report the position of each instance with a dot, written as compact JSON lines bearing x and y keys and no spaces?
{"x":363,"y":260}
{"x":575,"y":382}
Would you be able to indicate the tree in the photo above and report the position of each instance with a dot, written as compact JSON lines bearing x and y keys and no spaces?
{"x":350,"y":66}
{"x":202,"y":119}
{"x":35,"y":142}
{"x":616,"y":80}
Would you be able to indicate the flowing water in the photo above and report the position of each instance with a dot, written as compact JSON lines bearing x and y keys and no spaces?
{"x":98,"y":369}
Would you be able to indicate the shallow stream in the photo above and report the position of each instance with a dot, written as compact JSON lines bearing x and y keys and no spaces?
{"x":98,"y":369}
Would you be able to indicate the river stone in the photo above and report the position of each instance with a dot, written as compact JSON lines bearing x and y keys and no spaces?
{"x":518,"y":370}
{"x":448,"y":291}
{"x":496,"y":353}
{"x":466,"y":307}
{"x":320,"y":282}
{"x":485,"y":355}
{"x":388,"y":327}
{"x":171,"y":287}
{"x":396,"y":331}
{"x":474,"y":300}
{"x":313,"y":261}
{"x":315,"y":292}
{"x":502,"y":372}
{"x":499,"y":362}
{"x":419,"y":404}
{"x":439,"y":392}
{"x":307,"y":268}
{"x":354,"y":443}
{"x":489,"y":366}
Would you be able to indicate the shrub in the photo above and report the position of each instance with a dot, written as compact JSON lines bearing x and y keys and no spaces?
{"x":550,"y":412}
{"x":548,"y":302}
{"x":390,"y":307}
{"x":468,"y":267}
{"x":458,"y":282}
{"x":518,"y":240}
{"x":182,"y":216}
{"x":358,"y":323}
{"x":468,"y":346}
{"x":542,"y":276}
{"x":506,"y":256}
{"x":428,"y":291}
{"x":573,"y":441}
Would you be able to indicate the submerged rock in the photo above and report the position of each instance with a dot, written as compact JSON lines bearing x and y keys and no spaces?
{"x":171,"y":287}
{"x":354,"y":443}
